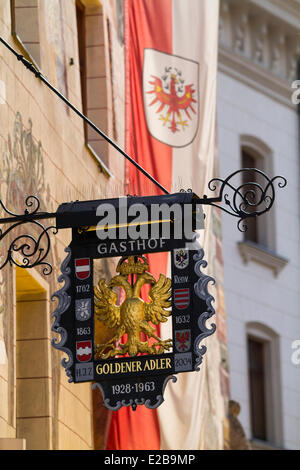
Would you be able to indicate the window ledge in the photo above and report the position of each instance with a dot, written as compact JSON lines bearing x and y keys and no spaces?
{"x":257,"y":444}
{"x":251,"y":251}
{"x":25,"y":51}
{"x":102,"y":167}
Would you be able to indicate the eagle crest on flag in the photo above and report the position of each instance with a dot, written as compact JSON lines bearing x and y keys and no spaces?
{"x":174,"y":102}
{"x":171,"y":97}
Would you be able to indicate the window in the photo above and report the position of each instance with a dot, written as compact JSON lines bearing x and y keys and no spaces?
{"x":259,"y":243}
{"x":54,"y":32}
{"x":260,"y":229}
{"x":257,"y":155}
{"x":93,"y":77}
{"x":257,"y":388}
{"x":264,"y":383}
{"x":82,"y":52}
{"x":25,"y":27}
{"x":26,"y":30}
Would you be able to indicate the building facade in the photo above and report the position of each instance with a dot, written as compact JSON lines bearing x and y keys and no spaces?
{"x":46,"y":151}
{"x":258,"y":123}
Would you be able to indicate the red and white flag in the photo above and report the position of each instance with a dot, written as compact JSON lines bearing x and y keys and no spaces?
{"x":170,"y":106}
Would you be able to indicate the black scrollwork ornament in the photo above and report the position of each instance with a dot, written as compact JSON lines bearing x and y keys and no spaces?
{"x":247,"y":199}
{"x":32,"y":249}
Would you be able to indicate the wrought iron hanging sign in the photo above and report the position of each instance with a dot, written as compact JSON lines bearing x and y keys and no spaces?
{"x":115,"y":344}
{"x":109,"y":335}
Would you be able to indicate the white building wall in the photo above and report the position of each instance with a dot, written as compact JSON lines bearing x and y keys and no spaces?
{"x":252,"y":292}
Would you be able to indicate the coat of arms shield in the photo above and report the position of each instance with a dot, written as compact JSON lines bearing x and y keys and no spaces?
{"x":181,"y":258}
{"x":183,"y":340}
{"x":171,"y":97}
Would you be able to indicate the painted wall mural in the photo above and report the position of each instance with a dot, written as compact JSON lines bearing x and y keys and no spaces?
{"x":22,"y":173}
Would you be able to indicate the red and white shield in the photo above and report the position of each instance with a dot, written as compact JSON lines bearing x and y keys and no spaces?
{"x":82,"y":268}
{"x":83,"y":350}
{"x":181,"y":298}
{"x":171,"y":97}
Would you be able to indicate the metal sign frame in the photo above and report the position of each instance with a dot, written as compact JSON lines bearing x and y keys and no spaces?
{"x":246,"y":200}
{"x":138,"y":380}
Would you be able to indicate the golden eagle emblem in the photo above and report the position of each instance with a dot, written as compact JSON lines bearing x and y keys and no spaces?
{"x":132,"y":317}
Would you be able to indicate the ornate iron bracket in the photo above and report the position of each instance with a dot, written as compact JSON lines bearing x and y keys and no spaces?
{"x":247,"y":199}
{"x":243,"y":200}
{"x":33,"y":249}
